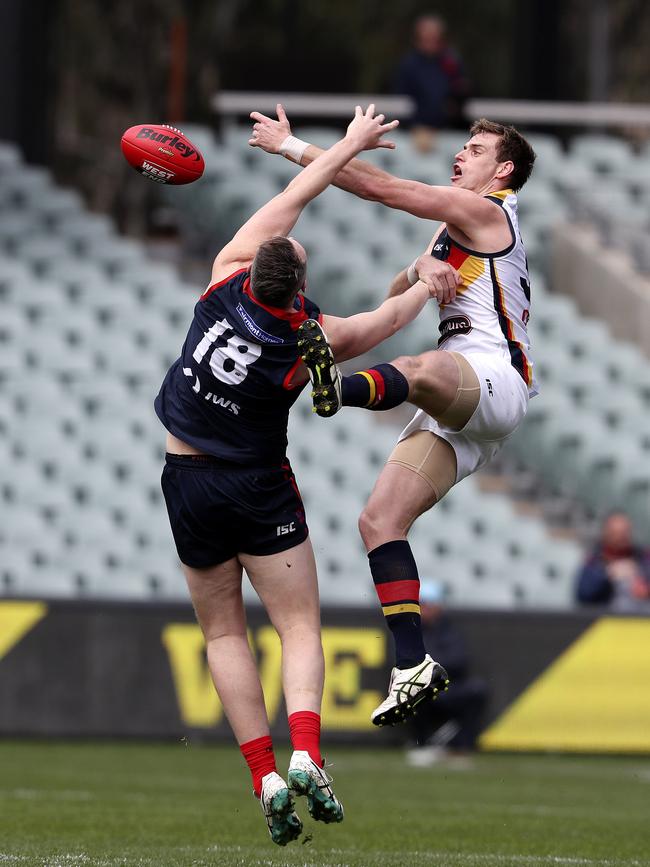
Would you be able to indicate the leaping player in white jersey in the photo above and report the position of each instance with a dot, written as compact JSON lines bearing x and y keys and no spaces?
{"x":472,"y":393}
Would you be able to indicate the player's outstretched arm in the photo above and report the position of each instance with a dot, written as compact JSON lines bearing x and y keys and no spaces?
{"x":279,"y":215}
{"x":453,"y":205}
{"x":354,"y":335}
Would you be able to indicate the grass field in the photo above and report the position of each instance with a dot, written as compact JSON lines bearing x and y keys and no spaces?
{"x":132,"y":804}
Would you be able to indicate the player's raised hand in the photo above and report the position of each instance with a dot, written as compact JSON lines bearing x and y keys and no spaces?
{"x":269,"y":134}
{"x":367,"y":130}
{"x":441,"y":278}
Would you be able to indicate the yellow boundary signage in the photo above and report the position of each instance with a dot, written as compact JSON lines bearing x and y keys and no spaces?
{"x":348,"y":651}
{"x":16,"y":620}
{"x":595,"y":697}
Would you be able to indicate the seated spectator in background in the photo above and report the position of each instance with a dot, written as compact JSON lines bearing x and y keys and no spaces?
{"x":448,"y":726}
{"x":618,"y":572}
{"x":433,"y":75}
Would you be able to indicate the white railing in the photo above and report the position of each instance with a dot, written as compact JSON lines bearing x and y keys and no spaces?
{"x":230,"y":103}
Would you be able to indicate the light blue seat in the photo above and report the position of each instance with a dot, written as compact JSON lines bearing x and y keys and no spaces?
{"x":40,"y":251}
{"x":603,"y":153}
{"x":321,"y":136}
{"x":121,"y":356}
{"x":547,"y":593}
{"x":80,"y":278}
{"x":21,"y":526}
{"x":113,"y":255}
{"x":52,"y":353}
{"x":25,"y":484}
{"x":561,"y":560}
{"x":44,"y":582}
{"x":24,"y":186}
{"x":584,"y":380}
{"x":236,"y":199}
{"x":14,"y":326}
{"x":84,"y":230}
{"x":565,"y":438}
{"x":76,"y":325}
{"x":57,"y":206}
{"x":618,"y":408}
{"x":18,"y":225}
{"x":549,"y":154}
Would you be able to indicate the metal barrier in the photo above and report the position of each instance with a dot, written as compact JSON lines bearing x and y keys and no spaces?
{"x":230,"y":103}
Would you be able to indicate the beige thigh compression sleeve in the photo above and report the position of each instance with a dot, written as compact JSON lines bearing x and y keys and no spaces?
{"x":467,"y":397}
{"x":431,"y":457}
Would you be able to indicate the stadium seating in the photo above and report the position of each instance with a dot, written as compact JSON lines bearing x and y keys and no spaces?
{"x":83,"y":347}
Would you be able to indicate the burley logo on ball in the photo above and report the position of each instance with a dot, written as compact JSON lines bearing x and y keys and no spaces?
{"x":171,"y":141}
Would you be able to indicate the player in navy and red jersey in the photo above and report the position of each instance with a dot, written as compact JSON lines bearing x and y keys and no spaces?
{"x":232,"y":500}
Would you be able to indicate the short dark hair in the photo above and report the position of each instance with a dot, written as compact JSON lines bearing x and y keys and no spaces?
{"x":513,"y":146}
{"x":277,"y":272}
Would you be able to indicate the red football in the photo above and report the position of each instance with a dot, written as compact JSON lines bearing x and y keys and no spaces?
{"x":162,"y":153}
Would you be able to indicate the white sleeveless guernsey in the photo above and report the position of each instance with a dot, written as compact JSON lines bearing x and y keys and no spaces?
{"x":492,"y":306}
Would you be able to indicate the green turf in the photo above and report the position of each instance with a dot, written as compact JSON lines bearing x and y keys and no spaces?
{"x":131,"y":804}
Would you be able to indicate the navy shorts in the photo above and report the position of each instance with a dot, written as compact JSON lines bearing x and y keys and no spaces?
{"x":218,"y":510}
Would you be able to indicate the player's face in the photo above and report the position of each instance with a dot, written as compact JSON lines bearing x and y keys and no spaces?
{"x":476,"y":165}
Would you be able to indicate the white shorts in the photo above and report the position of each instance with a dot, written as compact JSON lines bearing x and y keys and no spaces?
{"x":500,"y":411}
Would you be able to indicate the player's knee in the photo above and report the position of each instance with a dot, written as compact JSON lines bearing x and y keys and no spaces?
{"x":301,"y":638}
{"x":372,"y":527}
{"x":215,"y":634}
{"x":365,"y":524}
{"x":409,"y":366}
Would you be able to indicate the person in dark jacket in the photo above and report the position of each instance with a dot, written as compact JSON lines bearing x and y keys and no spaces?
{"x":617,"y":572}
{"x":433,"y":75}
{"x":452,"y":722}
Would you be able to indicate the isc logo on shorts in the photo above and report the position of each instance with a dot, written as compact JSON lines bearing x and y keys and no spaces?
{"x":285,"y":529}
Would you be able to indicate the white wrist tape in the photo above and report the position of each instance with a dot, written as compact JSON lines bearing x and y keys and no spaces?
{"x":293,"y":148}
{"x":412,"y":272}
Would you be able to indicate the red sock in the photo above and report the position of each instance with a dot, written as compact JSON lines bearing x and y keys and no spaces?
{"x":304,"y":727}
{"x":260,"y":759}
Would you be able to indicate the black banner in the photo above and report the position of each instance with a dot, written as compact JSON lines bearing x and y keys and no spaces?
{"x":109,"y":669}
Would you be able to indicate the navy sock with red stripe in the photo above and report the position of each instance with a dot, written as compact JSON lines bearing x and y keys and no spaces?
{"x":397,"y":583}
{"x":260,"y":759}
{"x":378,"y":388}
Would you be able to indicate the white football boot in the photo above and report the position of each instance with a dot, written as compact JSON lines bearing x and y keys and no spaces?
{"x":277,"y":806}
{"x":306,"y":778}
{"x":407,"y":689}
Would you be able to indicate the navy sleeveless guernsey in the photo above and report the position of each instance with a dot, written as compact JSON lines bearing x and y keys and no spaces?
{"x":229,"y":394}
